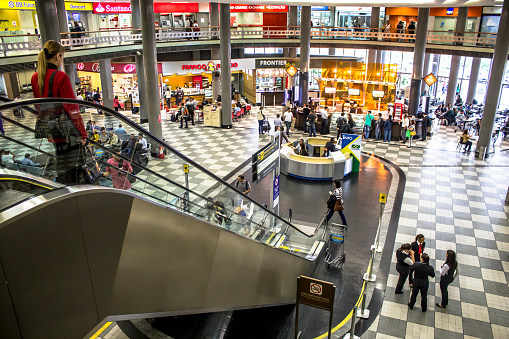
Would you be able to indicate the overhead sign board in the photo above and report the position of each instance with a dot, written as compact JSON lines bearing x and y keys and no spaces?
{"x":354,"y":91}
{"x":330,"y":90}
{"x":119,"y":68}
{"x":430,"y":79}
{"x":78,"y":6}
{"x":7,"y":4}
{"x":276,"y":63}
{"x":159,"y":7}
{"x":352,"y":143}
{"x":267,"y":160}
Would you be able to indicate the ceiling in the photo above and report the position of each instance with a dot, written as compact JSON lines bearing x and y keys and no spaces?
{"x":368,"y":3}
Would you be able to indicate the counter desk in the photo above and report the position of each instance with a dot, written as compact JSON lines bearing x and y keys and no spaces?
{"x":333,"y":167}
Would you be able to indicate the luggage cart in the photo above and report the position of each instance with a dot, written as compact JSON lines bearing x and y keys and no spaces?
{"x":336,"y":239}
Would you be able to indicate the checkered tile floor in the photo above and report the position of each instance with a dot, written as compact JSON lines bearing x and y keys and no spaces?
{"x":457,"y":203}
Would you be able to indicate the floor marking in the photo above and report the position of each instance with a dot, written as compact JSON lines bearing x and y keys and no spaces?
{"x":101,"y":330}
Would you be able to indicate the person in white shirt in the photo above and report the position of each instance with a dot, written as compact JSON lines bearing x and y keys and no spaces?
{"x":405,"y":122}
{"x":167,"y":96}
{"x":448,"y":272}
{"x":142,"y":141}
{"x":324,"y":114}
{"x":288,"y":116}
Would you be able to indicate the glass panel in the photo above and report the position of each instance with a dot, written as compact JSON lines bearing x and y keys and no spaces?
{"x":444,"y":67}
{"x":484,"y":71}
{"x":131,"y":153}
{"x":407,"y":64}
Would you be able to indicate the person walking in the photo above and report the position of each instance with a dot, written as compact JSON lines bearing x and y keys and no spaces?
{"x":288,"y":116}
{"x":184,"y":115}
{"x":388,"y":129}
{"x":333,"y":205}
{"x":367,"y":124}
{"x":417,"y":247}
{"x":422,"y":271}
{"x":261,"y":118}
{"x":448,"y":272}
{"x":242,"y":185}
{"x":312,"y":124}
{"x":405,"y":259}
{"x":379,"y":127}
{"x":306,"y":112}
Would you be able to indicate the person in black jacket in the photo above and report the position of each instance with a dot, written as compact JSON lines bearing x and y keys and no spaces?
{"x":425,"y":125}
{"x":417,"y":248}
{"x":422,"y":270}
{"x":405,"y":259}
{"x":448,"y":271}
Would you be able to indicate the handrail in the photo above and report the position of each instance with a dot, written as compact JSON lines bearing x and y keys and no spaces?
{"x":135,"y":126}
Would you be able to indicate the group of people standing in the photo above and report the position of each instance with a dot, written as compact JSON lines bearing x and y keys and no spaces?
{"x":413,"y":263}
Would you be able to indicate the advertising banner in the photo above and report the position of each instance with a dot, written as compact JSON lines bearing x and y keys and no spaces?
{"x":352,"y":143}
{"x":118,"y":68}
{"x":159,"y":7}
{"x":258,"y":8}
{"x":275,"y":188}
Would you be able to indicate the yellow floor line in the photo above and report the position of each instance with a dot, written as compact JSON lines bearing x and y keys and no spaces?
{"x":101,"y":330}
{"x":272,"y":236}
{"x":349,"y":316}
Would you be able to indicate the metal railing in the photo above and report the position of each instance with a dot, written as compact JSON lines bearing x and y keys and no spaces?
{"x":29,"y":43}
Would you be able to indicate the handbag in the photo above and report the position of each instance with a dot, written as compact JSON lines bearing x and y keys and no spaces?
{"x":338,"y":205}
{"x":90,"y":168}
{"x":412,"y":133}
{"x":53,"y":122}
{"x":132,"y":179}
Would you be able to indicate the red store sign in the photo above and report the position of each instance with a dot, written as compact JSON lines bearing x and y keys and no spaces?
{"x":259,"y":8}
{"x":159,"y":7}
{"x":115,"y":68}
{"x":206,"y":67}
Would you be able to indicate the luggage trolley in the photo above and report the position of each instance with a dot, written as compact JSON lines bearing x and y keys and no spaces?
{"x":337,"y":236}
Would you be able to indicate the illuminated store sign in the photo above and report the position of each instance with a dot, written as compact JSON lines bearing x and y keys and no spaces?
{"x":258,"y":8}
{"x":118,"y":68}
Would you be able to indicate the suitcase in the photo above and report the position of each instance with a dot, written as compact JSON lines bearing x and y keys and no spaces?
{"x":266,"y":126}
{"x":173,"y":118}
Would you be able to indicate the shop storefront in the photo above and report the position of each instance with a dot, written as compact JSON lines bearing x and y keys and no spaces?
{"x":395,"y":15}
{"x":255,"y":17}
{"x":272,"y":80}
{"x":353,"y":17}
{"x":195,"y":77}
{"x":123,"y":76}
{"x":444,"y":20}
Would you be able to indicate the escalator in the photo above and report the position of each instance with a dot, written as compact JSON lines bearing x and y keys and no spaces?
{"x":171,"y":245}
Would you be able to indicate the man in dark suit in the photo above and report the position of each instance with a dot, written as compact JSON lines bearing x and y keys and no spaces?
{"x":422,"y":271}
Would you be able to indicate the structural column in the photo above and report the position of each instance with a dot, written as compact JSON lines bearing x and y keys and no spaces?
{"x":106,"y":82}
{"x":461,"y":22}
{"x":375,"y":20}
{"x":62,"y":18}
{"x":214,"y":52}
{"x":226,"y":66}
{"x":70,"y":70}
{"x":48,"y":20}
{"x":292,"y":52}
{"x":494,"y":85}
{"x":150,"y":64}
{"x":140,"y":69}
{"x":472,"y":83}
{"x":425,"y":71}
{"x":305,"y":46}
{"x":419,"y":51}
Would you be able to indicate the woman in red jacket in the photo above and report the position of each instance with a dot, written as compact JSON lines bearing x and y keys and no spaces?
{"x":50,"y":59}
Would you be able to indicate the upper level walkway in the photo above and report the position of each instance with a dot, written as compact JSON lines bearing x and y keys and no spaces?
{"x":92,"y":46}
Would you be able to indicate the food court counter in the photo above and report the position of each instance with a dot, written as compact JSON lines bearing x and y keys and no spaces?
{"x":335,"y":166}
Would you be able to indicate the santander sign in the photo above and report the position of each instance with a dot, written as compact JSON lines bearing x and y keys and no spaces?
{"x":111,"y":7}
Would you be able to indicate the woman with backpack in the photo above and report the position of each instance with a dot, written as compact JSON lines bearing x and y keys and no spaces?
{"x":335,"y":202}
{"x":448,"y":272}
{"x":48,"y":81}
{"x":184,"y":115}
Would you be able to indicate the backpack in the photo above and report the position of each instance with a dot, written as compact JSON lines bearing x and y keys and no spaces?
{"x":52,"y":120}
{"x":245,"y":183}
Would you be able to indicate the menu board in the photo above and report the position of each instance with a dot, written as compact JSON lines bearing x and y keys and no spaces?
{"x":378,"y":94}
{"x":354,"y":91}
{"x":330,"y":90}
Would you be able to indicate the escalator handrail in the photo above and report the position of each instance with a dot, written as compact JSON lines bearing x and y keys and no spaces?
{"x":132,"y":124}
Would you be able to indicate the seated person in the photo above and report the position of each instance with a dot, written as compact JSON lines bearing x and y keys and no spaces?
{"x":95,"y":136}
{"x":6,"y":160}
{"x":103,"y":138}
{"x":120,"y":130}
{"x":27,"y":162}
{"x":465,"y":139}
{"x":301,"y":148}
{"x":128,"y":146}
{"x":236,"y":110}
{"x":326,"y":152}
{"x":331,"y":145}
{"x":112,"y":140}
